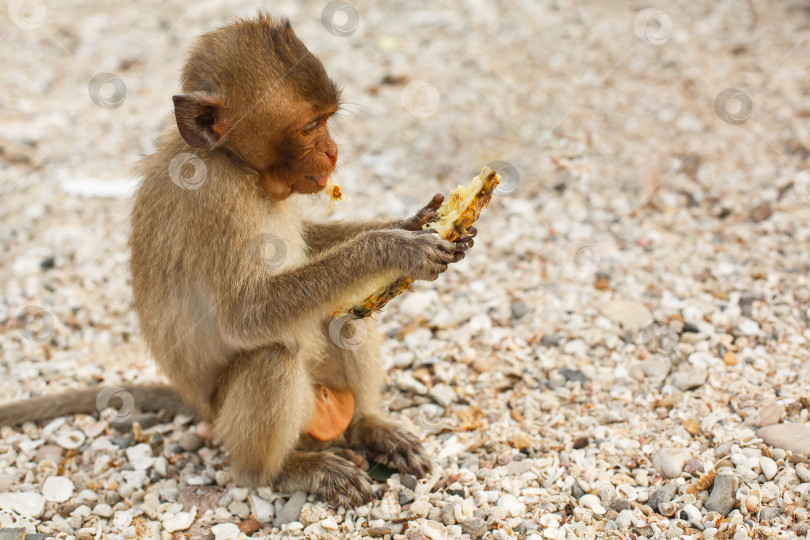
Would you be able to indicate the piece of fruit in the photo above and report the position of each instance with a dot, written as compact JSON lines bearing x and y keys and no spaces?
{"x":334,"y":193}
{"x":460,"y":210}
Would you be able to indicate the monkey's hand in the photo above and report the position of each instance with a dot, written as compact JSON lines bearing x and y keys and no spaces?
{"x":428,"y":213}
{"x":426,"y":254}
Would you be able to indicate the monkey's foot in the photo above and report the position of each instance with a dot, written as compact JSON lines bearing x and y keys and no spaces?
{"x":395,"y":447}
{"x":334,"y":479}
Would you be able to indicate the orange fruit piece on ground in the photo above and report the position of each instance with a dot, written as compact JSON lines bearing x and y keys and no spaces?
{"x":333,"y":413}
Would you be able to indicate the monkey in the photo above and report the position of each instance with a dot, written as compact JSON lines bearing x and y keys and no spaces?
{"x":244,"y":338}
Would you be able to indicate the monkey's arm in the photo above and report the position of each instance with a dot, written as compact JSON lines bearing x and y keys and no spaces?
{"x":146,"y":397}
{"x":320,"y":236}
{"x":263,"y":303}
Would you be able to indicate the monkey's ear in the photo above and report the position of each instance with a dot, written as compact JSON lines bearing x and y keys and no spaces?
{"x":199,"y":119}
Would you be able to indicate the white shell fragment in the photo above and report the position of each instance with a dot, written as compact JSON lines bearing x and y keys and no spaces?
{"x":57,"y":489}
{"x":225,"y":531}
{"x":180,"y":521}
{"x":26,"y":504}
{"x":70,"y":439}
{"x":140,"y":456}
{"x":592,"y":502}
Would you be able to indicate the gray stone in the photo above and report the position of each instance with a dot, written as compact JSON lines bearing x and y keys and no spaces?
{"x":656,"y":367}
{"x":405,"y":496}
{"x":190,"y":441}
{"x":620,"y":504}
{"x":688,"y":378}
{"x":520,"y":309}
{"x":409,"y":481}
{"x":573,"y":375}
{"x":291,"y":510}
{"x":442,"y":394}
{"x":721,"y":499}
{"x":12,"y":534}
{"x":475,"y":527}
{"x":788,"y":436}
{"x":449,"y":514}
{"x":661,"y":495}
{"x":768,"y":513}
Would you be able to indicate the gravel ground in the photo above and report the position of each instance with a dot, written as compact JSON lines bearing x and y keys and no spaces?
{"x":622,"y":355}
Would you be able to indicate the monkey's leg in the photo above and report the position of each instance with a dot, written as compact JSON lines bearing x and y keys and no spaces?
{"x":264,"y":402}
{"x":357,"y":349}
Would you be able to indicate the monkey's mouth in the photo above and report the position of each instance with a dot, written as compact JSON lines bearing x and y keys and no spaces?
{"x":320,"y":180}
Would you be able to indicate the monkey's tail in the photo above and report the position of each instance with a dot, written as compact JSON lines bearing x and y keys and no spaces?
{"x":95,"y":400}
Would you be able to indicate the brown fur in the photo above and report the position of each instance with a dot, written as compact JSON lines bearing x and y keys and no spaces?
{"x":146,"y":397}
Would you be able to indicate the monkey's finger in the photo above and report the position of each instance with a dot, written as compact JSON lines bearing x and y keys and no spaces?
{"x":435,"y":202}
{"x":471,"y":231}
{"x":464,"y":243}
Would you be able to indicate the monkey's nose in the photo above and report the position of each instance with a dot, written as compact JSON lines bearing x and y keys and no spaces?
{"x":332,"y":153}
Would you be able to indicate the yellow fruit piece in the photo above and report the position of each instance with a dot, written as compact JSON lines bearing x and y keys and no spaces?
{"x":334,"y":193}
{"x":460,"y":209}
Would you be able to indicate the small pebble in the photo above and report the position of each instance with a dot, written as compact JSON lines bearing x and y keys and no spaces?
{"x":788,"y":436}
{"x":180,"y":521}
{"x":770,"y":414}
{"x":421,"y":508}
{"x":768,"y":467}
{"x":475,"y":527}
{"x":291,"y":510}
{"x":190,"y":441}
{"x":670,"y":461}
{"x":57,"y":489}
{"x":661,"y":495}
{"x":225,"y":531}
{"x":249,"y":526}
{"x":721,"y":499}
{"x":409,"y":481}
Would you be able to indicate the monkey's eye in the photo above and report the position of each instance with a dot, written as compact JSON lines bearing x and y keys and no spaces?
{"x":309,"y":128}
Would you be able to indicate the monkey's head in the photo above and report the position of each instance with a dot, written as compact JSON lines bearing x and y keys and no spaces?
{"x":254,"y":92}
